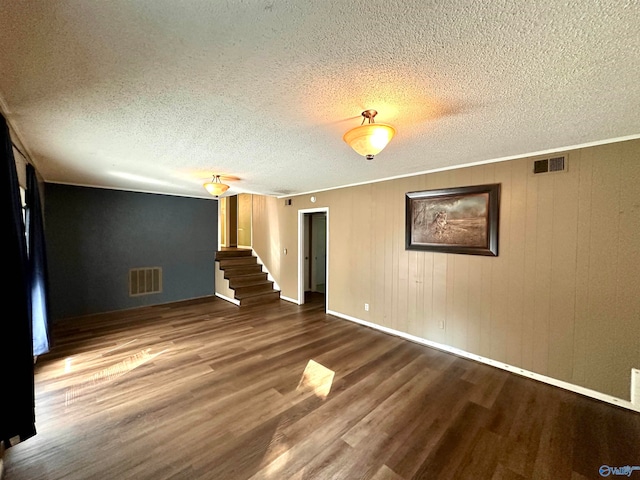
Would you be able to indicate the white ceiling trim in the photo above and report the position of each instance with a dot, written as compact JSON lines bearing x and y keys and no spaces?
{"x":483,"y":162}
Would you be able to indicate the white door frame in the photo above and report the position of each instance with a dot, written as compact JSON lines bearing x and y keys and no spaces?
{"x":301,"y":214}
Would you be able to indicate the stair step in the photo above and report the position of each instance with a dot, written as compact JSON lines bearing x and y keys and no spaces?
{"x":243,"y":280}
{"x":233,"y":252}
{"x":236,"y":261}
{"x":242,"y":270}
{"x":250,"y":284}
{"x":263,"y":287}
{"x":259,"y":299}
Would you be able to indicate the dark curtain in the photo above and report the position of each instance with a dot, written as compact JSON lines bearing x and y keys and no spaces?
{"x":17,"y":401}
{"x":37,"y":266}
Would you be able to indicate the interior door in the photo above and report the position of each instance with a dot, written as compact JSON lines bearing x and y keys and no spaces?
{"x":232,"y":221}
{"x":318,"y":252}
{"x":307,"y":253}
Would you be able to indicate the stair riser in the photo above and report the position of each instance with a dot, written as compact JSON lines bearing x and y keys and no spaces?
{"x":260,"y":299}
{"x":232,"y":262}
{"x":233,"y":253}
{"x":241,"y":291}
{"x":245,"y":270}
{"x":244,"y":280}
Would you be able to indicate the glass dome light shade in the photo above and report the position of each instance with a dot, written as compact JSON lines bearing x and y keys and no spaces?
{"x":369,"y":139}
{"x":216,"y":188}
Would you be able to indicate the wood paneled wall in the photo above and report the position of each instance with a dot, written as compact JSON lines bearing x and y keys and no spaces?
{"x":244,"y":219}
{"x":562,"y":299}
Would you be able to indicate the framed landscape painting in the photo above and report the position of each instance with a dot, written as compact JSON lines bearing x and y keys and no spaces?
{"x":454,"y":220}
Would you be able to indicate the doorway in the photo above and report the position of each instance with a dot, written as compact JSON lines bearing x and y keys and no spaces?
{"x":234,"y":226}
{"x":313,"y":243}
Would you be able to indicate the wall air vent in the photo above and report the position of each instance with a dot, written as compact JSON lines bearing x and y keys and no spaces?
{"x":145,"y":281}
{"x":541,"y":166}
{"x":556,"y":164}
{"x":550,"y":165}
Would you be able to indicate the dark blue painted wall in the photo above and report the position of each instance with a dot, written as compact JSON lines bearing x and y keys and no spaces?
{"x":94,"y":236}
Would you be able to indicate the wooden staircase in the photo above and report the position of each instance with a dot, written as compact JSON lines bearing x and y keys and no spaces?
{"x":246,"y":278}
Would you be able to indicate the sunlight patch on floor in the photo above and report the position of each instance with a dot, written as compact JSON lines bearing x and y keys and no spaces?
{"x":316,"y":378}
{"x":75,"y":392}
{"x":281,"y":460}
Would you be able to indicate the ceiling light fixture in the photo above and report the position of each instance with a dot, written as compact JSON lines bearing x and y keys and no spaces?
{"x":215,"y":187}
{"x":369,"y":139}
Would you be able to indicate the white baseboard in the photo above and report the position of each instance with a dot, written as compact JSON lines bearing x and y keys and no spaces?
{"x":504,"y":366}
{"x":289,"y":299}
{"x":230,"y":300}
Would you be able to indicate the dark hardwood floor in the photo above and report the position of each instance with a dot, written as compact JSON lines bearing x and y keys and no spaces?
{"x":206,"y":390}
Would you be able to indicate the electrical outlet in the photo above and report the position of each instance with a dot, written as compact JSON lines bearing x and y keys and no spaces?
{"x":366,"y":307}
{"x":441,"y":325}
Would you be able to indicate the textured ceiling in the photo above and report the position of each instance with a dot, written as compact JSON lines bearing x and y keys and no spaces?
{"x":158,"y":95}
